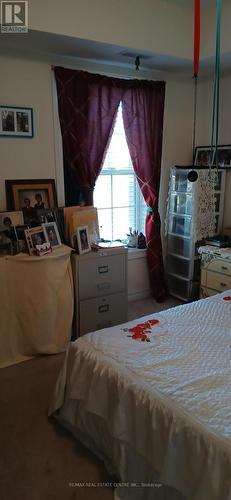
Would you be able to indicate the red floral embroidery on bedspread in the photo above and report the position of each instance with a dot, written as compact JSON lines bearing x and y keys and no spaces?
{"x":142,"y":330}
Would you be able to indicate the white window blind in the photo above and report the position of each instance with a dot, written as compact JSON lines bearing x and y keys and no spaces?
{"x":117,"y":195}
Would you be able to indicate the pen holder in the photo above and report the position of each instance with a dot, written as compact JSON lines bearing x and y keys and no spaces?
{"x":132,"y":240}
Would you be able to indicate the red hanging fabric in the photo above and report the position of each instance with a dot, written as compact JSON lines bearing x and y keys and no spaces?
{"x":143,"y":109}
{"x":196,"y":36}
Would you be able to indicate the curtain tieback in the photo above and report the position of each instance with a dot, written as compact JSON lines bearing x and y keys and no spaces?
{"x":150,"y":210}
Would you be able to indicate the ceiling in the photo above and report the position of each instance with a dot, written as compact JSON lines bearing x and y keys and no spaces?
{"x":51,"y":46}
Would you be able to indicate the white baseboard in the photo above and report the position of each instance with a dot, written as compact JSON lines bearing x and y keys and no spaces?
{"x":142,"y":294}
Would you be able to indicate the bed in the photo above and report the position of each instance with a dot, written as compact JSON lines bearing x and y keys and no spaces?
{"x":152,"y":398}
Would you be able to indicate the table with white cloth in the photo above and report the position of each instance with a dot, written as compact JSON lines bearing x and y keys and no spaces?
{"x":36,"y":305}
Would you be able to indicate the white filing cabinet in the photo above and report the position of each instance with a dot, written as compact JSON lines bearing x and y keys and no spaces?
{"x":100,"y":280}
{"x":215,"y":273}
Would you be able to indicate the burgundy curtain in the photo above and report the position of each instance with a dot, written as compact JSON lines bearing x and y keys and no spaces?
{"x":87,"y":110}
{"x":143,"y":108}
{"x":88,"y":105}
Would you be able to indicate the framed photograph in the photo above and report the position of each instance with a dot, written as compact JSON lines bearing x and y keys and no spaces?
{"x":6,"y":249}
{"x":46,"y":215}
{"x":21,"y":238}
{"x":52,"y":234}
{"x":16,"y":122}
{"x":30,"y":217}
{"x":6,"y":244}
{"x":9,"y":219}
{"x":203,"y":156}
{"x":203,"y":153}
{"x":83,"y":239}
{"x":34,"y":236}
{"x":25,"y":195}
{"x":223,"y":156}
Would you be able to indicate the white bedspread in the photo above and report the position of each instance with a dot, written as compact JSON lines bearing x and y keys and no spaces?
{"x":168,"y":399}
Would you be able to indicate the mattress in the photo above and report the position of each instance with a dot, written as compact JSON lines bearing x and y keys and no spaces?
{"x":153,"y":399}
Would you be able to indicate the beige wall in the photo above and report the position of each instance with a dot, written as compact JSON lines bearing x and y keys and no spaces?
{"x":205,"y":95}
{"x":161,"y":26}
{"x":25,"y":83}
{"x":29,"y":83}
{"x":177,"y":137}
{"x":208,"y":28}
{"x":36,"y":158}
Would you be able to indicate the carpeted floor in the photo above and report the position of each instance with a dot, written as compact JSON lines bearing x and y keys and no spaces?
{"x":38,"y":459}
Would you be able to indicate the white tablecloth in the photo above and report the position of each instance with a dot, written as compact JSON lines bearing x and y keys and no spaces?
{"x":36,"y":301}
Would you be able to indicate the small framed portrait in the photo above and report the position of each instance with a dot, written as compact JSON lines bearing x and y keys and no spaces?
{"x":35,"y":194}
{"x":83,"y":239}
{"x":21,"y":238}
{"x":223,"y":156}
{"x":34,"y":236}
{"x":9,"y":219}
{"x":16,"y":122}
{"x":46,"y":215}
{"x":6,"y":243}
{"x":51,"y":233}
{"x":203,"y":156}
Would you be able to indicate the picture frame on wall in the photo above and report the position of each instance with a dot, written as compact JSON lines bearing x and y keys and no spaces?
{"x":203,"y":154}
{"x":83,"y":242}
{"x":22,"y":194}
{"x":16,"y":121}
{"x":224,"y":156}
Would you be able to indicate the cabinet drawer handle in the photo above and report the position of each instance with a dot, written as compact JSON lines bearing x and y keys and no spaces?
{"x":223,"y":284}
{"x":102,"y":269}
{"x":224,"y":268}
{"x":103,"y":286}
{"x":104,"y":308}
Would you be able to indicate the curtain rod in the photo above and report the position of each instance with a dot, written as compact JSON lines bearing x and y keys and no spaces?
{"x":114,"y":75}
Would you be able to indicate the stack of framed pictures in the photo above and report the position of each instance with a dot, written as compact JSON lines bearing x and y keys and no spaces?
{"x":33,"y":219}
{"x":16,"y":236}
{"x":79,"y":216}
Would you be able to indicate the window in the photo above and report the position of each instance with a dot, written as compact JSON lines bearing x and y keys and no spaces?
{"x":117,"y":195}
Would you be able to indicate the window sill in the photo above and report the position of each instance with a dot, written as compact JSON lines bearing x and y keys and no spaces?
{"x":137,"y":253}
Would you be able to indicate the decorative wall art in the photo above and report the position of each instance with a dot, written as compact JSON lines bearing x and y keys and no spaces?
{"x":16,"y":122}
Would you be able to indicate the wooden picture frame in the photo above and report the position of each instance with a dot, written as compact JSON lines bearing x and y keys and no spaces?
{"x":16,"y":121}
{"x":83,"y":239}
{"x":34,"y":236}
{"x":22,"y":194}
